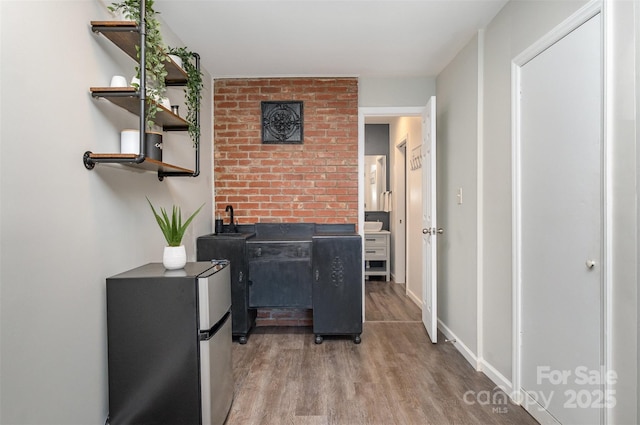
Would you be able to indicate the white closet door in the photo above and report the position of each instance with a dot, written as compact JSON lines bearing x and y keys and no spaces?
{"x":562,"y":226}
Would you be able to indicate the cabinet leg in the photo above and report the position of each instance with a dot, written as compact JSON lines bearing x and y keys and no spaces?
{"x":243,"y":339}
{"x":357,"y":339}
{"x":318,"y":339}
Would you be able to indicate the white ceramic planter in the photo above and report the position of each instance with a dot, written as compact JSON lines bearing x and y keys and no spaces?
{"x":174,"y":257}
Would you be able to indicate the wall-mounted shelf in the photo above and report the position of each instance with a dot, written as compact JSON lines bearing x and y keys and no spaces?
{"x":128,"y":159}
{"x":128,"y":98}
{"x":126,"y":35}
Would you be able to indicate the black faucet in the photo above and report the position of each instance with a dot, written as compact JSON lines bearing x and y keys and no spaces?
{"x":232,"y":224}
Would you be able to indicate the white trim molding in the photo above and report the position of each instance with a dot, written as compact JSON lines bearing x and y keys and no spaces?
{"x":480,"y":201}
{"x":460,"y":346}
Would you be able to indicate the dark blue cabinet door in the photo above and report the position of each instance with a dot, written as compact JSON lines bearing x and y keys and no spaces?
{"x":337,"y":285}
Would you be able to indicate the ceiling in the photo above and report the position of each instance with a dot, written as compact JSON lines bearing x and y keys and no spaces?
{"x":365,"y":38}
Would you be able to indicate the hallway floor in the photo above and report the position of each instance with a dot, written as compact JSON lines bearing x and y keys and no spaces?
{"x":395,"y":376}
{"x":387,"y":302}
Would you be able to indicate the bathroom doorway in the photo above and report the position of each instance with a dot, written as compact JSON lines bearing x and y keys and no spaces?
{"x":404,"y":128}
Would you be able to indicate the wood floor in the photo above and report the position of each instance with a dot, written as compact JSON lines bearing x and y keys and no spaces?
{"x":395,"y":376}
{"x":386,"y":301}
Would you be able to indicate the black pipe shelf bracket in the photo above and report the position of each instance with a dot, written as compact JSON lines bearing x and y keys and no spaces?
{"x":127,"y":35}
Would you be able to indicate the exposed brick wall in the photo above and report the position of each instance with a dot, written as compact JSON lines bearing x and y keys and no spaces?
{"x":284,"y":317}
{"x":316,"y":181}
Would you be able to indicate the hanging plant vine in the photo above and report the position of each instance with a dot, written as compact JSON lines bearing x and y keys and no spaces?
{"x":192,"y":90}
{"x":155,"y":53}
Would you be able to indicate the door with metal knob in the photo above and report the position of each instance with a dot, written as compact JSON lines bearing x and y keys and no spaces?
{"x":559,"y":183}
{"x":433,"y":231}
{"x":429,"y":224}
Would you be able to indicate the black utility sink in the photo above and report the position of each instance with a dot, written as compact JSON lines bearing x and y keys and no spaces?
{"x":234,"y":232}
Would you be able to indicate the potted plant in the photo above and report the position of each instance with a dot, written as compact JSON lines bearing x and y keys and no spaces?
{"x":192,"y":89}
{"x":175,"y":255}
{"x":155,"y":53}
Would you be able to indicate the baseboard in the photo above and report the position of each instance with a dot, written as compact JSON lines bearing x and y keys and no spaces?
{"x":478,"y":363}
{"x":499,"y":379}
{"x":538,"y":412}
{"x":417,"y":300}
{"x":393,"y":278}
{"x":460,"y":346}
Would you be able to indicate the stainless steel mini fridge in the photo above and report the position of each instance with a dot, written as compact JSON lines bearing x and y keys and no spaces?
{"x":169,"y":345}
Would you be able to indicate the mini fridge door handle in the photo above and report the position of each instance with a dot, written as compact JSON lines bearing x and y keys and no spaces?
{"x":210,"y":333}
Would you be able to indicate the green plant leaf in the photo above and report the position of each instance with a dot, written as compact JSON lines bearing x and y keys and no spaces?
{"x":192,"y":90}
{"x":172,"y":227}
{"x":156,"y":51}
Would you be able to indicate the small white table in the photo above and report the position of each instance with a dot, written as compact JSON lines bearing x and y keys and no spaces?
{"x":376,"y":250}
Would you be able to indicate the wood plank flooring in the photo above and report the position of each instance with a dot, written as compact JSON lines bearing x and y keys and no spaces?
{"x":386,"y":301}
{"x":395,"y":376}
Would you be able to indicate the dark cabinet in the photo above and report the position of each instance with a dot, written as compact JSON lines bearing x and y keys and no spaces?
{"x":279,"y":274}
{"x":337,"y":286}
{"x":232,"y":248}
{"x":293,"y":265}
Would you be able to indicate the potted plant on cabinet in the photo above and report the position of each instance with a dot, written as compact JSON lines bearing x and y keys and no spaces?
{"x":173,"y":229}
{"x":192,"y":89}
{"x":155,"y":53}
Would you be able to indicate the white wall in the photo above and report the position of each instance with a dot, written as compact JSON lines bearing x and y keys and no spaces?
{"x":395,"y":91}
{"x":411,"y":128}
{"x":65,"y":229}
{"x":636,"y":16}
{"x":457,"y":139}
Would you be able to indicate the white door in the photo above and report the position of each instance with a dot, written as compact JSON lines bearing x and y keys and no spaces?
{"x":429,"y":224}
{"x":561,"y":228}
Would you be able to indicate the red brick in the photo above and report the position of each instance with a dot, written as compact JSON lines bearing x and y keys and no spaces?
{"x":288,"y":183}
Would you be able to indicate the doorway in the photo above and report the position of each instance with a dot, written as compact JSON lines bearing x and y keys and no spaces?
{"x":401,"y":174}
{"x":392,"y":115}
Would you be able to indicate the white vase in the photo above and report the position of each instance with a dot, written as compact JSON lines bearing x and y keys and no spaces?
{"x":130,"y":141}
{"x":174,"y":257}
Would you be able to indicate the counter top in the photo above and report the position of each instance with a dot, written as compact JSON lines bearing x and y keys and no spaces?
{"x":336,"y":235}
{"x":279,"y":239}
{"x":228,"y":235}
{"x":284,"y":232}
